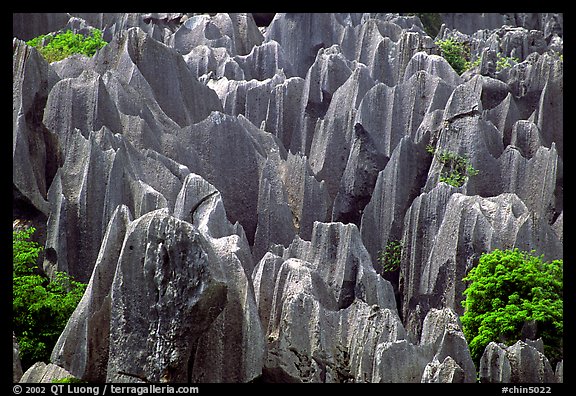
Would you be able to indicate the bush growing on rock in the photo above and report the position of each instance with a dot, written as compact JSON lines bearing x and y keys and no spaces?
{"x":514,"y":295}
{"x":40,"y":307}
{"x":62,"y":45}
{"x":457,"y":168}
{"x":389,"y":258}
{"x":455,"y":54}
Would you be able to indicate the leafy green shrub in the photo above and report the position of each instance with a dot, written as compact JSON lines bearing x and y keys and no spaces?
{"x":457,"y":168}
{"x":41,"y":307}
{"x":455,"y":53}
{"x":509,"y":289}
{"x":389,"y":258}
{"x":62,"y":45}
{"x":502,"y":62}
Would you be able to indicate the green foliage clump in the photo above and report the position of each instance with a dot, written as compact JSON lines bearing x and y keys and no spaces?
{"x":457,"y":168}
{"x":389,"y":258}
{"x":455,"y":53}
{"x":502,"y":62}
{"x":41,"y":308}
{"x":509,"y":289}
{"x":60,"y":46}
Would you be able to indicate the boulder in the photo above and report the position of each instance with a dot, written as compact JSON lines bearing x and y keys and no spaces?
{"x":442,"y":332}
{"x":446,"y":372}
{"x":519,"y":363}
{"x":172,"y":280}
{"x":42,"y":373}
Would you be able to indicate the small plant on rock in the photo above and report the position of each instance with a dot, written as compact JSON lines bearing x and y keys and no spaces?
{"x":502,"y":62}
{"x":389,"y":258}
{"x":457,"y":168}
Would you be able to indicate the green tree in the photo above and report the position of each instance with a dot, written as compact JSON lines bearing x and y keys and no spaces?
{"x":41,"y":308}
{"x":507,"y":290}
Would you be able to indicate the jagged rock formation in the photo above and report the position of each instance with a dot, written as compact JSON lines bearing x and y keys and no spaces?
{"x":16,"y":364}
{"x":518,"y":363}
{"x":44,"y":373}
{"x":225,"y":186}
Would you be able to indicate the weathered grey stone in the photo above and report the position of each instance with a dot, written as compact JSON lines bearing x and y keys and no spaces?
{"x":526,"y":136}
{"x":26,"y":26}
{"x":81,"y":103}
{"x":249,"y":139}
{"x":519,"y":363}
{"x":434,"y":65}
{"x":559,"y":373}
{"x":275,"y":218}
{"x":337,"y":253}
{"x":249,"y":98}
{"x":309,"y":340}
{"x":44,"y":373}
{"x":230,"y":155}
{"x":402,"y":108}
{"x":159,"y":73}
{"x":163,"y":274}
{"x":328,"y":72}
{"x":205,"y":60}
{"x":396,"y":187}
{"x":265,"y":61}
{"x":35,"y":151}
{"x":359,"y":177}
{"x":534,"y":180}
{"x":16,"y":363}
{"x":446,"y":372}
{"x":334,"y":133}
{"x":307,"y":197}
{"x":264,"y":279}
{"x":100,"y":173}
{"x":441,"y":331}
{"x":385,"y":43}
{"x":232,"y":349}
{"x":398,"y":361}
{"x":494,"y":364}
{"x":422,"y":221}
{"x":504,"y":117}
{"x":283,"y":112}
{"x":471,"y":22}
{"x":301,"y":35}
{"x":528,"y":364}
{"x":236,"y":32}
{"x":84,"y":343}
